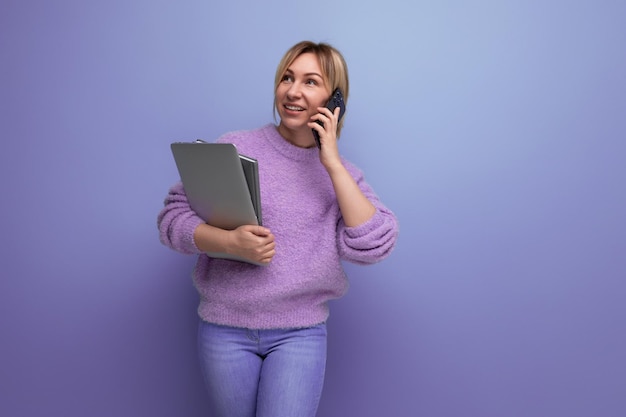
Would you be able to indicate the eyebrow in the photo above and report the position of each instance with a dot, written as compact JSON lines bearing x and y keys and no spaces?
{"x":308,"y":74}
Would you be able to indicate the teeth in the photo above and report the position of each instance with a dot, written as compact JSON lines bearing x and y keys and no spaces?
{"x":295,"y":108}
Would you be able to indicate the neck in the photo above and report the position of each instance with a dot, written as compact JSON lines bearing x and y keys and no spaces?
{"x":302,"y":138}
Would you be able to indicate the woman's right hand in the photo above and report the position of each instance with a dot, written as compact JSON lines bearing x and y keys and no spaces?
{"x":252,"y":242}
{"x":255,"y":243}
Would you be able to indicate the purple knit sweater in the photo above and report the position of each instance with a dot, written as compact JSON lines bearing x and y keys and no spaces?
{"x":300,"y":208}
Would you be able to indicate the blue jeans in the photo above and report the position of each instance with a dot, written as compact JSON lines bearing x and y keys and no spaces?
{"x":262,"y":373}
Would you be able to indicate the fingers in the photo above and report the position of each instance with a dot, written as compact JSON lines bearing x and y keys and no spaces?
{"x":256,"y":230}
{"x":327,"y":117}
{"x":327,"y":130}
{"x":255,"y":243}
{"x":262,"y":231}
{"x":264,"y":236}
{"x":266,"y":252}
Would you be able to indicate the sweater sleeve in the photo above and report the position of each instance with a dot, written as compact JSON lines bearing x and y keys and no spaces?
{"x":177,"y":222}
{"x":373,"y":240}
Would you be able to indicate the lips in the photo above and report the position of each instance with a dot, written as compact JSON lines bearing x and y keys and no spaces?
{"x":291,"y":107}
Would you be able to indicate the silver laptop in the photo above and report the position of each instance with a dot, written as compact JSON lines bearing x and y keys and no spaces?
{"x":215,"y":183}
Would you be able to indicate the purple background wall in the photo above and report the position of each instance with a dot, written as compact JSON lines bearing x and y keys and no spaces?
{"x":495,"y":130}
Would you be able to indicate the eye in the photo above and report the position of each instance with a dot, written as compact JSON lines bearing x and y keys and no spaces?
{"x":287,"y":78}
{"x":311,"y":81}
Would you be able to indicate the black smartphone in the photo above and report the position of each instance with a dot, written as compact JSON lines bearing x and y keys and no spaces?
{"x":336,"y":100}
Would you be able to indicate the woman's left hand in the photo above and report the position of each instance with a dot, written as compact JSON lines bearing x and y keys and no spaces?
{"x":355,"y":208}
{"x":329,"y":152}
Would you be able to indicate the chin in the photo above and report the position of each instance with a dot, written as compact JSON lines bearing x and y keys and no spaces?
{"x":293,"y":125}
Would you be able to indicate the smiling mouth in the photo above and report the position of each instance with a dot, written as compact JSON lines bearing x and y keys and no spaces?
{"x":294,"y":108}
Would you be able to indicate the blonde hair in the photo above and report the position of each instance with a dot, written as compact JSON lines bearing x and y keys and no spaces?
{"x":332,"y":63}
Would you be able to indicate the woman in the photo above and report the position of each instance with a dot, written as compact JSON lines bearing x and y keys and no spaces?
{"x":262,"y":335}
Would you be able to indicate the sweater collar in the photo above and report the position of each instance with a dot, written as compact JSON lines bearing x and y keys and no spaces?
{"x":286,"y":148}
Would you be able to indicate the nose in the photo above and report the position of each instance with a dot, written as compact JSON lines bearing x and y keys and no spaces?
{"x":294,"y":91}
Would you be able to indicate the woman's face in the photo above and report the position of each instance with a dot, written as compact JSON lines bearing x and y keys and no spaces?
{"x":300,"y":92}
